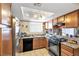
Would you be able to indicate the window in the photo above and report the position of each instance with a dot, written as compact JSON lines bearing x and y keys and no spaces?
{"x":35,"y":27}
{"x":69,"y":31}
{"x":50,"y":25}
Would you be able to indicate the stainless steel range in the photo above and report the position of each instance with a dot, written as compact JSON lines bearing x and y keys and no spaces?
{"x":54,"y":45}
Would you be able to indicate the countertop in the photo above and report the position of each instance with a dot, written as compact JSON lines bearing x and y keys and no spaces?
{"x":31,"y":37}
{"x":75,"y":46}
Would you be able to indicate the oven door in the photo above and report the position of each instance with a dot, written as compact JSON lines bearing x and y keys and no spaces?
{"x":54,"y":48}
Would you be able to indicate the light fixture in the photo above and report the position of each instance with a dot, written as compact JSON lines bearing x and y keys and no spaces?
{"x":35,"y":15}
{"x":37,"y":4}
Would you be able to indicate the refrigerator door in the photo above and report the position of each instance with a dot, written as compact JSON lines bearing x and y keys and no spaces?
{"x":6,"y":41}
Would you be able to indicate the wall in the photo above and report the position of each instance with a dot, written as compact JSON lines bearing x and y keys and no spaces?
{"x":23,"y":27}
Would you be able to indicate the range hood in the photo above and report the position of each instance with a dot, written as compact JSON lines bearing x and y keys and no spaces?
{"x":60,"y":24}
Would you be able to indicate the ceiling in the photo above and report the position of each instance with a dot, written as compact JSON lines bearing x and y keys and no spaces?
{"x":55,"y":9}
{"x":35,"y":15}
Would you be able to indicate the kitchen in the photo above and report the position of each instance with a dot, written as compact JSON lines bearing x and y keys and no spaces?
{"x":40,"y":30}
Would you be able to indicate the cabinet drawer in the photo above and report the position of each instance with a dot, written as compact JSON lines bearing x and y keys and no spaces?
{"x":65,"y":52}
{"x":69,"y":49}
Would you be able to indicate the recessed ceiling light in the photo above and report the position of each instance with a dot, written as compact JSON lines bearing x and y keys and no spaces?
{"x":35,"y":15}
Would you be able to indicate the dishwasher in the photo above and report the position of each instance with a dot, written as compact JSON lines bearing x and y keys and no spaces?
{"x":27,"y":44}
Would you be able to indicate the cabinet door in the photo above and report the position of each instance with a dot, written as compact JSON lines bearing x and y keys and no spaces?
{"x":35,"y":43}
{"x":66,"y":50}
{"x":61,"y":19}
{"x":74,"y":18}
{"x":6,"y":41}
{"x":20,"y":49}
{"x":66,"y":53}
{"x":41,"y":42}
{"x":71,"y":20}
{"x":6,"y":13}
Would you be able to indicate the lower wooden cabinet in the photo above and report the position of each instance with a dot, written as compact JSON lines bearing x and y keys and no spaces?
{"x":66,"y":53}
{"x":35,"y":43}
{"x":40,"y":42}
{"x":69,"y":51}
{"x":20,"y":48}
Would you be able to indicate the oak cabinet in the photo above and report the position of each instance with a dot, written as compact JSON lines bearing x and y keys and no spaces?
{"x":72,"y":20}
{"x":20,"y":48}
{"x":61,"y":19}
{"x":35,"y":43}
{"x":40,"y":42}
{"x":69,"y":51}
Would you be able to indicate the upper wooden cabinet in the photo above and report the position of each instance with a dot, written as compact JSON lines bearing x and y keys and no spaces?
{"x":61,"y":19}
{"x":5,"y":13}
{"x":72,"y":20}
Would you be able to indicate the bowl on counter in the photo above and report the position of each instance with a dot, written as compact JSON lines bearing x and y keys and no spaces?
{"x":72,"y":41}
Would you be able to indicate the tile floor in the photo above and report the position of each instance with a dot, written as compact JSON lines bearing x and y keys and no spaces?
{"x":38,"y":52}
